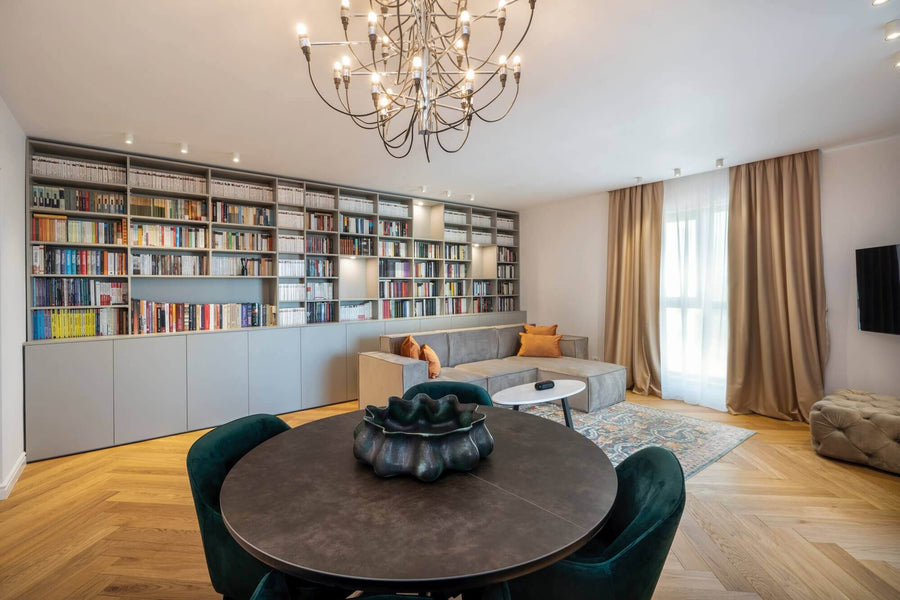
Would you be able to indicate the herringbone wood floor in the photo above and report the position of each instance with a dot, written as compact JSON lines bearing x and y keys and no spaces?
{"x":769,"y":520}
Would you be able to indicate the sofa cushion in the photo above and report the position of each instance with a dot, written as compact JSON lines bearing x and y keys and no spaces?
{"x":454,"y":374}
{"x":501,"y":373}
{"x":567,"y":365}
{"x":605,"y":381}
{"x":509,"y":340}
{"x":472,"y":345}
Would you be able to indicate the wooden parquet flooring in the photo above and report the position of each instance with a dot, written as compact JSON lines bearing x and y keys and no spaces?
{"x":770,"y":520}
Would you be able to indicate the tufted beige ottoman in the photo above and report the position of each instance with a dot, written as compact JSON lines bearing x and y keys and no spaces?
{"x":858,"y":427}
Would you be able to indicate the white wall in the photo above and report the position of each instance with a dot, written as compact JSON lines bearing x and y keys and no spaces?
{"x":12,"y":294}
{"x":563,"y":247}
{"x":860,"y":209}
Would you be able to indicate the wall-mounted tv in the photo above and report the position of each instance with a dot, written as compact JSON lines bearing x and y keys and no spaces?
{"x":878,"y":288}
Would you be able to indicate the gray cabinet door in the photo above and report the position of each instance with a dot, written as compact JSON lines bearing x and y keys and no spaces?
{"x":150,"y":387}
{"x":323,"y":351}
{"x":395,"y":326}
{"x":361,"y":337}
{"x":217,"y":378}
{"x":275,"y":371}
{"x":68,"y":398}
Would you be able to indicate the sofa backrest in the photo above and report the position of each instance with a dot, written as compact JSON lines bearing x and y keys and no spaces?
{"x":458,"y":346}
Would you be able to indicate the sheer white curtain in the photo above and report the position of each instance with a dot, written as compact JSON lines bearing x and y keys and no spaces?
{"x":693,"y":307}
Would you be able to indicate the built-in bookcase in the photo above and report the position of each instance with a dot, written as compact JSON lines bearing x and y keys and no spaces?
{"x":125,"y":244}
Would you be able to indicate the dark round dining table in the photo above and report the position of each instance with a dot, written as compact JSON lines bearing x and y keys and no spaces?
{"x":301,"y":503}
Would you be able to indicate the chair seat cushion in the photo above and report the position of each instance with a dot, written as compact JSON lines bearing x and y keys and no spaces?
{"x":858,"y":427}
{"x":501,"y":373}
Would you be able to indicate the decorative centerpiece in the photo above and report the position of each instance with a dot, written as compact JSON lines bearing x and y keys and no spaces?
{"x":422,"y":437}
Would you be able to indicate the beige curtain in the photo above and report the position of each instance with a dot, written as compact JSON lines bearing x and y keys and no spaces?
{"x":632,"y":284}
{"x":776,"y":303}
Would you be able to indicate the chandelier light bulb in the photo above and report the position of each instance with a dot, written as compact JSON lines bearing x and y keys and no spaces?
{"x":235,"y":157}
{"x":304,"y":40}
{"x":502,"y":60}
{"x":345,"y":60}
{"x":503,"y":73}
{"x":383,"y":101}
{"x":501,"y":14}
{"x":301,"y":29}
{"x":892,"y":31}
{"x":465,"y":17}
{"x":373,"y":18}
{"x":129,"y":138}
{"x":184,"y":148}
{"x":470,"y":75}
{"x":417,"y":62}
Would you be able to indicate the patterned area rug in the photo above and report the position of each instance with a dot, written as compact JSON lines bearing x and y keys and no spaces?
{"x":624,"y":428}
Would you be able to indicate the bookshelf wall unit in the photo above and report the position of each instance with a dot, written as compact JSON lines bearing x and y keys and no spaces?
{"x":140,"y":266}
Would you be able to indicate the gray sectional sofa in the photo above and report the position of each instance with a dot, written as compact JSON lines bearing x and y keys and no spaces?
{"x":486,"y":356}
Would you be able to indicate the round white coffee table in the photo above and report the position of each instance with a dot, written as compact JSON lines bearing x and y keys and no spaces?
{"x":525,"y":394}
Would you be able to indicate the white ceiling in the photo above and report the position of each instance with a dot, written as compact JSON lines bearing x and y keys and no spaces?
{"x":611,"y":89}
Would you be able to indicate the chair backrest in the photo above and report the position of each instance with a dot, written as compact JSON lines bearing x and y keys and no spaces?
{"x":273,"y":586}
{"x":467,"y":393}
{"x":642,"y":524}
{"x":233,"y":572}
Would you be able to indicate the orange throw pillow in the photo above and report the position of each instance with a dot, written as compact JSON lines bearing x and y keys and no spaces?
{"x":544,"y":346}
{"x":541,"y":329}
{"x":410,"y":348}
{"x":434,"y":363}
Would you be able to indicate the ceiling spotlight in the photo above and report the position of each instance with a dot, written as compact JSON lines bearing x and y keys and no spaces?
{"x":892,"y":30}
{"x":471,"y":197}
{"x":448,"y":193}
{"x":423,"y":189}
{"x":879,"y":2}
{"x":639,"y":180}
{"x":236,"y":157}
{"x":720,"y":162}
{"x":129,"y":138}
{"x":677,"y":172}
{"x":184,"y":148}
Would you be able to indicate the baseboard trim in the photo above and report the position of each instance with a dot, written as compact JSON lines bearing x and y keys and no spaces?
{"x":7,"y":486}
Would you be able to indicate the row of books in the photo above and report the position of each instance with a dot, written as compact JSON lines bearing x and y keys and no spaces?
{"x":506,"y":223}
{"x":506,"y":271}
{"x":167,"y":181}
{"x":148,"y":316}
{"x":319,"y":290}
{"x":454,"y":288}
{"x":359,"y":225}
{"x":62,"y":198}
{"x":290,"y":194}
{"x":393,"y":209}
{"x":291,"y":267}
{"x":505,"y":239}
{"x":168,"y":236}
{"x":481,"y":220}
{"x":396,"y":309}
{"x":354,"y":204}
{"x":241,"y":190}
{"x":78,"y":292}
{"x":292,"y":316}
{"x":47,"y":260}
{"x":319,"y":222}
{"x":455,"y":235}
{"x":394,"y":228}
{"x":394,"y":268}
{"x":427,"y":250}
{"x":482,"y":237}
{"x":168,"y":264}
{"x":241,"y":215}
{"x":357,"y":246}
{"x":62,"y":323}
{"x":293,"y":244}
{"x":505,"y":254}
{"x":242,"y":266}
{"x":314,"y":199}
{"x":456,"y":306}
{"x":483,"y":305}
{"x":394,"y":289}
{"x":320,"y":312}
{"x":80,"y":170}
{"x":427,"y":269}
{"x":291,"y":292}
{"x":453,"y":217}
{"x":507,"y":304}
{"x":426,"y":307}
{"x":392,"y":249}
{"x":319,"y":244}
{"x":456,"y":252}
{"x":290,"y":219}
{"x":242,"y":240}
{"x":168,"y":208}
{"x":482,"y":288}
{"x":507,"y":288}
{"x":358,"y":311}
{"x":426,"y":289}
{"x":457,"y":270}
{"x":59,"y":228}
{"x":319,"y":267}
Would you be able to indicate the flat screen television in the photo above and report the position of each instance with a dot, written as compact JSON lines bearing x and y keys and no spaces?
{"x":878,"y":288}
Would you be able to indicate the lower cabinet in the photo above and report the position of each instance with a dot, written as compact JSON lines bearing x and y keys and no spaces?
{"x":217,"y":378}
{"x":68,"y":398}
{"x":323,"y":351}
{"x":275,"y":371}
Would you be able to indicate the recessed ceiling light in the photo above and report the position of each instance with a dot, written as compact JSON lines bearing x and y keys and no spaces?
{"x":892,"y":30}
{"x":420,"y":203}
{"x":476,"y":245}
{"x":236,"y":157}
{"x":720,"y":162}
{"x":184,"y":148}
{"x":129,"y":138}
{"x":879,"y":2}
{"x":677,"y":172}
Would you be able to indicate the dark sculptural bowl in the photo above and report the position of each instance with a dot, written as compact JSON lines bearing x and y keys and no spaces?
{"x":422,"y":437}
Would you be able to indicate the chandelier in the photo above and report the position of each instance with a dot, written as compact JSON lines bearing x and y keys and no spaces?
{"x":429,"y":67}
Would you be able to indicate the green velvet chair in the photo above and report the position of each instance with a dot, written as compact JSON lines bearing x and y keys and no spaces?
{"x":624,"y":560}
{"x":468,"y":393}
{"x":234,"y":572}
{"x":275,"y":586}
